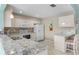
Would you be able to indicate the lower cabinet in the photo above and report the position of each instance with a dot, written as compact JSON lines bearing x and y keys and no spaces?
{"x":67,"y":44}
{"x":59,"y":43}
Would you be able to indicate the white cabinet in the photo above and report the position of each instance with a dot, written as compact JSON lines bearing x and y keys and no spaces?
{"x":66,"y":21}
{"x":59,"y":43}
{"x":23,"y":23}
{"x":19,"y":22}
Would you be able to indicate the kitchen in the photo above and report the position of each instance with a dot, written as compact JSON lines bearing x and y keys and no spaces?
{"x":41,"y":34}
{"x":22,"y":29}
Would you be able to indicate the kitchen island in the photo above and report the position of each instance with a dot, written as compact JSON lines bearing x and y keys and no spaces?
{"x":22,"y":46}
{"x":65,"y":42}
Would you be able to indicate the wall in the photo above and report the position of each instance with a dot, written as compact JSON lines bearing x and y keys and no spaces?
{"x":47,"y":22}
{"x":2,"y":9}
{"x":70,"y":24}
{"x":56,"y":28}
{"x":8,"y":12}
{"x":76,"y":12}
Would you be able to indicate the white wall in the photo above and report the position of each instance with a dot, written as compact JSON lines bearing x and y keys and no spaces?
{"x":7,"y":21}
{"x":47,"y":22}
{"x":56,"y":28}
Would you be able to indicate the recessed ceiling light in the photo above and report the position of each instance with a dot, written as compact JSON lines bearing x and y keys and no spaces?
{"x":63,"y":23}
{"x":11,"y":16}
{"x":20,"y":11}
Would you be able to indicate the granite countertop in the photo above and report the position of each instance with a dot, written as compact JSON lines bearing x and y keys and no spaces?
{"x":17,"y":47}
{"x":64,"y":34}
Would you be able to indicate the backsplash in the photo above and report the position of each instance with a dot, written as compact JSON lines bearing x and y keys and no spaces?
{"x":18,"y":30}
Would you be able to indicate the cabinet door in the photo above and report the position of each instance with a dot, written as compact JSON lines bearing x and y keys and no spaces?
{"x":66,"y":21}
{"x":59,"y":43}
{"x":24,"y":22}
{"x":20,"y":23}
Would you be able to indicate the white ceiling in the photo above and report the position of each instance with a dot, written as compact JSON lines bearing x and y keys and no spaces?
{"x":41,"y":10}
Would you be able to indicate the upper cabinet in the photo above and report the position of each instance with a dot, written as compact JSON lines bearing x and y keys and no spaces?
{"x":22,"y":23}
{"x":66,"y":21}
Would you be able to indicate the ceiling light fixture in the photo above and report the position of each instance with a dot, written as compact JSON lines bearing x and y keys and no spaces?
{"x":63,"y":23}
{"x":53,"y":5}
{"x":11,"y":16}
{"x":20,"y":11}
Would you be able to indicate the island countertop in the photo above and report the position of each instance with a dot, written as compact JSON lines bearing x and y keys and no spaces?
{"x":16,"y":47}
